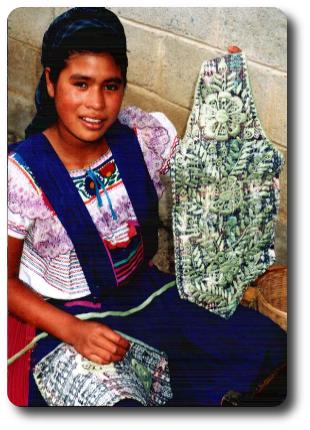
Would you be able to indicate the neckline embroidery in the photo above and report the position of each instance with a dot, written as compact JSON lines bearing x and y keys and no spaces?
{"x":94,"y":165}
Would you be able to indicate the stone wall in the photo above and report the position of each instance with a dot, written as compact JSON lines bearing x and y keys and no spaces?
{"x":166,"y":48}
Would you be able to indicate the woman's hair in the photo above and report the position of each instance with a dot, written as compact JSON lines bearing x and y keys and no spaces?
{"x":94,"y":40}
{"x":81,"y":29}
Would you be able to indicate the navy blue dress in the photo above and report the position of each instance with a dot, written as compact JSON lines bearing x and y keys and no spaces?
{"x":207,"y":354}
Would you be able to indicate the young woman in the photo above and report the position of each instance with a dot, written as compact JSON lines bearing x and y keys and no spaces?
{"x":81,"y":153}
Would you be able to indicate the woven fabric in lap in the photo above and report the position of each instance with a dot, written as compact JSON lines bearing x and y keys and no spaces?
{"x":225,"y":190}
{"x":65,"y":378}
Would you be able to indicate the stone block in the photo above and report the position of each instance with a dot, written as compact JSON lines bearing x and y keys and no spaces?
{"x":22,"y":68}
{"x":59,"y":10}
{"x":144,"y":47}
{"x":248,"y":27}
{"x":150,"y":102}
{"x":200,"y":23}
{"x":28,"y":24}
{"x":270,"y":94}
{"x":261,"y":32}
{"x":181,"y":63}
{"x":20,"y":112}
{"x":38,"y":71}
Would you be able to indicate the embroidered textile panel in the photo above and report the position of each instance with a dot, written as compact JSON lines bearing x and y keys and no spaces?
{"x":225,"y":190}
{"x":65,"y":378}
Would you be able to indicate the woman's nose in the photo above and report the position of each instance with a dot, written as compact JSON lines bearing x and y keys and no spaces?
{"x":95,"y":99}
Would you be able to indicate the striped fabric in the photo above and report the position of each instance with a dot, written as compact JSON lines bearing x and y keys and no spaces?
{"x":125,"y":267}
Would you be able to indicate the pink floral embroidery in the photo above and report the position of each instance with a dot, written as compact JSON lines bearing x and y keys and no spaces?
{"x":154,"y":139}
{"x":23,"y":199}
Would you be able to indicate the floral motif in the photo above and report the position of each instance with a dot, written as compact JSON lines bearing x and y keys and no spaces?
{"x":228,"y":196}
{"x":107,"y":170}
{"x":90,"y":186}
{"x":142,"y":373}
{"x":222,"y":115}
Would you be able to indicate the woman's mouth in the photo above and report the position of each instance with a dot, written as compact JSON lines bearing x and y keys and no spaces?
{"x":92,"y":123}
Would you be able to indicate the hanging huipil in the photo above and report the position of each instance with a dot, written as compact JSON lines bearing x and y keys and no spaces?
{"x":225,"y":190}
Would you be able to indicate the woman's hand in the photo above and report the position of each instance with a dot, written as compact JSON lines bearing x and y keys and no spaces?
{"x":98,"y":343}
{"x":93,"y":340}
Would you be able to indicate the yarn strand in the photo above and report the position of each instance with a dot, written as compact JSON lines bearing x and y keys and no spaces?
{"x":92,"y":315}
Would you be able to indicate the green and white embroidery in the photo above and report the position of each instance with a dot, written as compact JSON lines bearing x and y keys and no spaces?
{"x":222,"y":115}
{"x":65,"y":378}
{"x":225,"y":193}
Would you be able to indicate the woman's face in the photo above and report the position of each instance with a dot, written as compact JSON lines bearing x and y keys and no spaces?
{"x":88,"y":95}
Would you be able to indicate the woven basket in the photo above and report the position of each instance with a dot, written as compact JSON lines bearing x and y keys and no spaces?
{"x":271,"y":298}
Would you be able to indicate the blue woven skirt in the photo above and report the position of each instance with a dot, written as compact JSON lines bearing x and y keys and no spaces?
{"x":207,"y":354}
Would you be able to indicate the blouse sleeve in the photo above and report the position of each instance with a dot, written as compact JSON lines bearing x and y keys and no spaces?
{"x":172,"y":142}
{"x":25,"y":201}
{"x":157,"y":138}
{"x":158,"y":144}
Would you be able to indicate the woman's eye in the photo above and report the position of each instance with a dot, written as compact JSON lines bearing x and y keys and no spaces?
{"x":82,"y":85}
{"x":111,"y":87}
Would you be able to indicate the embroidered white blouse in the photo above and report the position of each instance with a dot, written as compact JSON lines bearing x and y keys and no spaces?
{"x":49,"y":263}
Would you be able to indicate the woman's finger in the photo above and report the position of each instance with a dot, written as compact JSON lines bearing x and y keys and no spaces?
{"x":103,"y":342}
{"x":101,"y":356}
{"x":115,"y":337}
{"x":95,"y":358}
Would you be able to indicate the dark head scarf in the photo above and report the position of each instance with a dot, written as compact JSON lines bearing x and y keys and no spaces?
{"x":94,"y":29}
